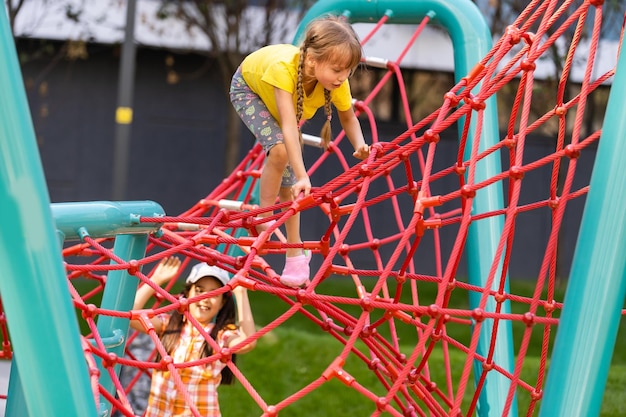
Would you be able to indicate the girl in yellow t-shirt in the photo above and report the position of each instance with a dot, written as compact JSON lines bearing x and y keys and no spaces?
{"x":274,"y":90}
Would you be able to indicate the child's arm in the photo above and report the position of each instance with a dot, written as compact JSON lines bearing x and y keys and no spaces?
{"x":352,"y":127}
{"x":246,"y":320}
{"x":289,"y":126}
{"x":163,"y":273}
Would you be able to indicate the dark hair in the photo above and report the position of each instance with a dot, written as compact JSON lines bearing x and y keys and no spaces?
{"x":329,"y":38}
{"x":225,"y":320}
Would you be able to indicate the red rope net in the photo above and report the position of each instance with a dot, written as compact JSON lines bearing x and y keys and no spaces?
{"x":374,"y":242}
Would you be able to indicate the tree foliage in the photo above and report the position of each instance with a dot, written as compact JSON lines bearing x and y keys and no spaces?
{"x":233,"y":29}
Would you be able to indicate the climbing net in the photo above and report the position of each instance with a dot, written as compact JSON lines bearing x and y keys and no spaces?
{"x":394,"y":229}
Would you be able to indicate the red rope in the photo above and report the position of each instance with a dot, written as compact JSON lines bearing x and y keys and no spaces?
{"x":428,"y":194}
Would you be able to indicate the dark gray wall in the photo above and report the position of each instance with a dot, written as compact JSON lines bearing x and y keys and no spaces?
{"x":178,"y":142}
{"x":177,"y":132}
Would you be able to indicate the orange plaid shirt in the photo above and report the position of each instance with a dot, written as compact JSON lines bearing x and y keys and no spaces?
{"x":200,"y":382}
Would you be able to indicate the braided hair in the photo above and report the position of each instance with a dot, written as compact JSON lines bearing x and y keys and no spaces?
{"x":327,"y":39}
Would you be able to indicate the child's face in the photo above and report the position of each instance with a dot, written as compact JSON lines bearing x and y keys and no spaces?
{"x":331,"y":74}
{"x":206,"y":309}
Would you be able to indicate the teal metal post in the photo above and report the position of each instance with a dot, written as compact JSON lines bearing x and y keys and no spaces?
{"x":104,"y":218}
{"x":16,"y":401}
{"x":471,"y":40}
{"x":99,"y":219}
{"x":597,"y":285}
{"x":119,"y":295}
{"x":42,"y":322}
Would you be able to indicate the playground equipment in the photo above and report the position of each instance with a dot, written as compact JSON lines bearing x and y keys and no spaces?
{"x":480,"y":213}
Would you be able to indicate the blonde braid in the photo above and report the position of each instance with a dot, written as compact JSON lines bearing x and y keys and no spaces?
{"x":326,"y":129}
{"x":300,"y":92}
{"x":328,"y":40}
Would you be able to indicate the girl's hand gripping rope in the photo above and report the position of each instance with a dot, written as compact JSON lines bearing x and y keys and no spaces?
{"x":362,"y":152}
{"x":303,"y":185}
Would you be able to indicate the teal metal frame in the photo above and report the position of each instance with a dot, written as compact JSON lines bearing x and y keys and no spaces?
{"x":45,"y":336}
{"x":593,"y":303}
{"x":77,"y":221}
{"x":120,"y":220}
{"x":46,"y":340}
{"x":471,"y":40}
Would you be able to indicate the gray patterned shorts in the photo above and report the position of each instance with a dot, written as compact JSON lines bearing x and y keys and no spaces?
{"x":258,"y":119}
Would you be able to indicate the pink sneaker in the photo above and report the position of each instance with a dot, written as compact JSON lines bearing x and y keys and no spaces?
{"x":296,"y":272}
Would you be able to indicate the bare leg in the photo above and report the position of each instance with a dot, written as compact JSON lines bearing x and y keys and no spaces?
{"x":269,"y":183}
{"x":292,"y":225}
{"x":269,"y":189}
{"x":296,"y":271}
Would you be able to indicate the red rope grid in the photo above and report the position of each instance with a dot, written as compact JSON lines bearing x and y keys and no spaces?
{"x":427,"y":193}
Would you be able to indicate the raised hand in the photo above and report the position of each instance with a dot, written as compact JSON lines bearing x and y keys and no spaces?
{"x":166,"y":270}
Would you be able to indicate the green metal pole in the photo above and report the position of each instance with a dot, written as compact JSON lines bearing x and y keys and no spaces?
{"x":124,"y":111}
{"x":42,"y":322}
{"x":597,"y":286}
{"x":471,"y":40}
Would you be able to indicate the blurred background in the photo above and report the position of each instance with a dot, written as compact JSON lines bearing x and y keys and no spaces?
{"x":129,"y":99}
{"x":134,"y":106}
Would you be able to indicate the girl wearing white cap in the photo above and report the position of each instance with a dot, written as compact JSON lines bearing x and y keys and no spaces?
{"x":183,"y":341}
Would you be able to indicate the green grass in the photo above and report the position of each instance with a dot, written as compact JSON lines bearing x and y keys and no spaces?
{"x":296,"y":354}
{"x":287,"y":360}
{"x":267,"y":308}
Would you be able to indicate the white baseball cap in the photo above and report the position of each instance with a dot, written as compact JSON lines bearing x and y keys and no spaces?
{"x":203,"y":269}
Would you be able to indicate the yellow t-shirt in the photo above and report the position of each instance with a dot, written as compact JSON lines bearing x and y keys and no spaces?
{"x":277,"y":66}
